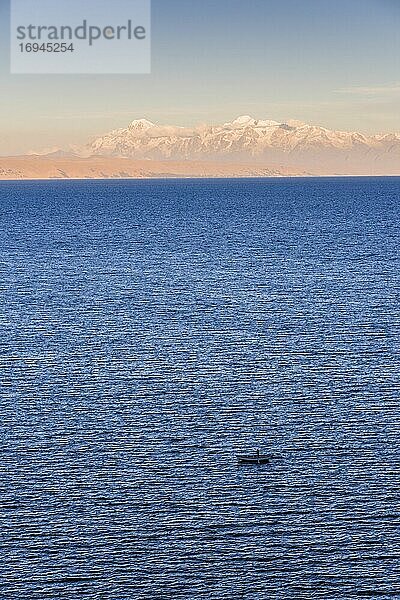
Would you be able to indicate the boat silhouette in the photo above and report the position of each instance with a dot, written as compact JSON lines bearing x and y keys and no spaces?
{"x":254,"y":459}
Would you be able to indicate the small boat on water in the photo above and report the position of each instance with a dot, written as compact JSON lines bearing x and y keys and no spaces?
{"x":254,"y":459}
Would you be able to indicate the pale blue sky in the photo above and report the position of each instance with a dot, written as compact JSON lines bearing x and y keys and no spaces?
{"x":335,"y":63}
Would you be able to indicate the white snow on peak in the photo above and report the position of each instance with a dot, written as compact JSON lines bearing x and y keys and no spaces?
{"x":243,"y":120}
{"x":141,"y":124}
{"x":247,"y":121}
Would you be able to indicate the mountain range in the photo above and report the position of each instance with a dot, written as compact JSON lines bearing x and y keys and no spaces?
{"x":244,"y":147}
{"x":291,"y":144}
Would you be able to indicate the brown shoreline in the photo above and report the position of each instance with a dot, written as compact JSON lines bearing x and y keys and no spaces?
{"x":36,"y":167}
{"x":20,"y":168}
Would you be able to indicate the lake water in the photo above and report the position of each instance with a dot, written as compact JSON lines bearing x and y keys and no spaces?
{"x":152,"y":330}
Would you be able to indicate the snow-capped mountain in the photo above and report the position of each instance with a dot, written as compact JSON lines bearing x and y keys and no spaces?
{"x":291,"y":143}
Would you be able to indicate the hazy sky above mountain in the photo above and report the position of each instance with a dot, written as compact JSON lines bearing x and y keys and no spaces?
{"x":334,"y":63}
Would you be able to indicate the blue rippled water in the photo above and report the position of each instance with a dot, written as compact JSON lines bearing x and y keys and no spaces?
{"x":152,"y":330}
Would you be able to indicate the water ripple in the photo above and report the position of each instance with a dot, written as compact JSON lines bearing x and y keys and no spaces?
{"x":153,"y":330}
